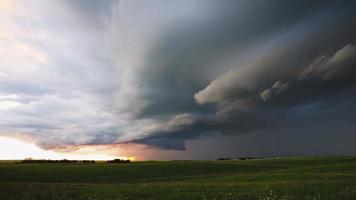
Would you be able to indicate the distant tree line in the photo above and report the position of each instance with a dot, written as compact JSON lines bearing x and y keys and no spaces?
{"x":249,"y":158}
{"x":31,"y":160}
{"x":222,"y":158}
{"x":240,"y":158}
{"x":118,"y":161}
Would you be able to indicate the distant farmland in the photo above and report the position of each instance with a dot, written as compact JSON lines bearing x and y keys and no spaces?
{"x":311,"y":178}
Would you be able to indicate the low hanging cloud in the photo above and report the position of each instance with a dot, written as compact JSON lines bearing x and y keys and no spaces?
{"x":269,"y":82}
{"x":339,"y":65}
{"x":277,"y":88}
{"x":250,"y":111}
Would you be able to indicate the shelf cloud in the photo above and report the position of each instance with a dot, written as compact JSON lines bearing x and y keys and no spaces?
{"x":165,"y":73}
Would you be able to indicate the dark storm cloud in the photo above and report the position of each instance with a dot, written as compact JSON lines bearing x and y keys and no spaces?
{"x":175,"y":139}
{"x":181,"y":62}
{"x":165,"y":72}
{"x":298,"y":55}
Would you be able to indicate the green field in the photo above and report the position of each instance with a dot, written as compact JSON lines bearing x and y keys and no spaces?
{"x":285,"y":178}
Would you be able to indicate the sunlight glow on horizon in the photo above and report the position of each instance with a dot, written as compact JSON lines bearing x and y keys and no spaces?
{"x":14,"y":149}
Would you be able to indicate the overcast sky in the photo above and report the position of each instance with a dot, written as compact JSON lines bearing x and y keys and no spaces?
{"x":180,"y":79}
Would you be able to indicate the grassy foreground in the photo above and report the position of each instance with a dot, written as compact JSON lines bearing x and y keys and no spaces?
{"x":268,"y":179}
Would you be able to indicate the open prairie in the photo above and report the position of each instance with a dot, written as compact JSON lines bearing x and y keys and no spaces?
{"x":279,"y":178}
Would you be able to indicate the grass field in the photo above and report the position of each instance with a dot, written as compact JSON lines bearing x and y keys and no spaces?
{"x":288,"y":178}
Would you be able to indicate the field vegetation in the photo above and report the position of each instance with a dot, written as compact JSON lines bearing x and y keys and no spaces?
{"x":311,"y":178}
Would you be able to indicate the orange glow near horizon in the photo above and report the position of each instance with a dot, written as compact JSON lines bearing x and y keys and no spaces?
{"x":15,"y":149}
{"x":19,"y":147}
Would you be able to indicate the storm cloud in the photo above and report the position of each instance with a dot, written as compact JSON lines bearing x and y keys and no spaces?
{"x":165,"y":73}
{"x":245,"y":70}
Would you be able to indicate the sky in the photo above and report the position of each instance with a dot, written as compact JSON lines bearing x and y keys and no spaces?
{"x":179,"y":79}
